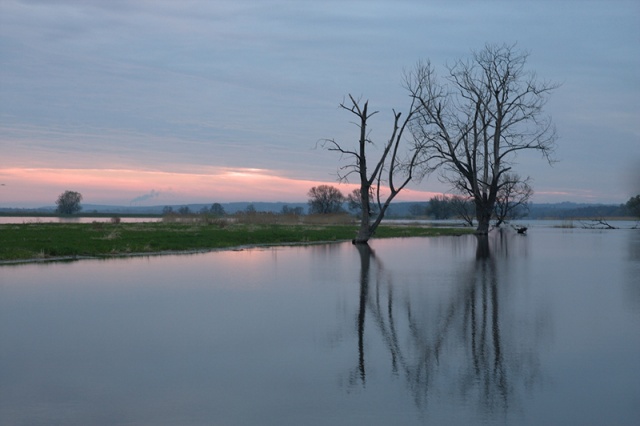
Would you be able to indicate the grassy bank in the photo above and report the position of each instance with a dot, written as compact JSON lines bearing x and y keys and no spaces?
{"x":54,"y":240}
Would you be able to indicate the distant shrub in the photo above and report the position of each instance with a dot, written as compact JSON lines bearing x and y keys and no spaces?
{"x":250,"y":216}
{"x":328,"y":219}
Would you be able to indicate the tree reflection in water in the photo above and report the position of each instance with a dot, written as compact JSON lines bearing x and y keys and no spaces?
{"x":453,"y":346}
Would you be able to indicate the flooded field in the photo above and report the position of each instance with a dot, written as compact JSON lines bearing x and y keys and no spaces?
{"x":530,"y":329}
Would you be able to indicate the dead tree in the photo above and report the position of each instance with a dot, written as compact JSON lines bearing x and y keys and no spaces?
{"x":394,"y":169}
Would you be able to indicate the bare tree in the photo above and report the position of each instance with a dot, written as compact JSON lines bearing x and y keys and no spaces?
{"x":217,"y":209}
{"x":474,"y":122}
{"x":325,"y":199}
{"x":440,"y":207}
{"x":392,"y":164}
{"x":464,"y":208}
{"x":69,"y":202}
{"x":633,"y":206}
{"x":513,"y":198}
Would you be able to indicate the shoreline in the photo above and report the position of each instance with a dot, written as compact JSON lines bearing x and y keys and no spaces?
{"x":73,"y":258}
{"x":39,"y":243}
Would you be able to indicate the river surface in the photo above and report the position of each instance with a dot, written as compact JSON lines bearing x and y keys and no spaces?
{"x":537,"y":329}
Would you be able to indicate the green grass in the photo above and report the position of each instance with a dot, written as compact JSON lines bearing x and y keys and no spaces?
{"x":54,"y":240}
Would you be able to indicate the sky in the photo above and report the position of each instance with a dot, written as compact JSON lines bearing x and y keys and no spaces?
{"x":167,"y":102}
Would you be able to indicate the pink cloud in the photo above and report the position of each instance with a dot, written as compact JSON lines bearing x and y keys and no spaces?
{"x":41,"y":186}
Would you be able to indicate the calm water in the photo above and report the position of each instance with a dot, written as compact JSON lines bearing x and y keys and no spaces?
{"x":524,"y":330}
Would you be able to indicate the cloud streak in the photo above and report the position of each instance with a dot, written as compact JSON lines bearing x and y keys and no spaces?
{"x":37,"y":187}
{"x":148,"y":196}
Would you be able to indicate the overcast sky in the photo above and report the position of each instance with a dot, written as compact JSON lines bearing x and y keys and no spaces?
{"x":176,"y":101}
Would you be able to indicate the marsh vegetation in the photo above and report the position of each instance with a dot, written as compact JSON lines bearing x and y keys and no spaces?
{"x":185,"y":233}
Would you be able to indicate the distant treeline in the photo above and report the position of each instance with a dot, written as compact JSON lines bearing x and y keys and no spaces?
{"x":571,"y":210}
{"x":399,"y":210}
{"x":565,"y":210}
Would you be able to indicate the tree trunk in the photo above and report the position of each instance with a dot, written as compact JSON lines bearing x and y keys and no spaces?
{"x":483,"y":214}
{"x":482,"y":249}
{"x":365,"y":232}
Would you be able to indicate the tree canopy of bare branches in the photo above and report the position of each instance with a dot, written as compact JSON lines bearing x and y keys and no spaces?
{"x":633,"y":206}
{"x":69,"y":202}
{"x":475,"y":121}
{"x":325,"y":199}
{"x":513,"y":198}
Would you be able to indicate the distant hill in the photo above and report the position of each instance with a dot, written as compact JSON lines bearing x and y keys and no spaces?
{"x":229,"y":208}
{"x":564,"y":210}
{"x":400,"y":209}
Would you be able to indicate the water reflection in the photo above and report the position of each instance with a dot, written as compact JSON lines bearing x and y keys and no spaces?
{"x":452,"y":344}
{"x":632,"y":289}
{"x":524,"y":330}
